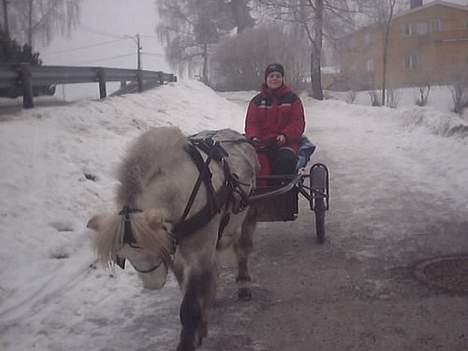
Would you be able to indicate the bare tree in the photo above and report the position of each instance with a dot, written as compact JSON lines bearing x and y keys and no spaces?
{"x":387,"y":11}
{"x":318,"y":18}
{"x":42,"y":19}
{"x":241,"y":15}
{"x":6,"y":27}
{"x":422,"y":97}
{"x":189,"y":29}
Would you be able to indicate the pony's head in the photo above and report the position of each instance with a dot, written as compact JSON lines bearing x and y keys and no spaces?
{"x":148,"y":248}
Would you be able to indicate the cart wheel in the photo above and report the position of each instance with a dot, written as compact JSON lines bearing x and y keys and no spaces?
{"x":320,"y":220}
{"x":319,"y":196}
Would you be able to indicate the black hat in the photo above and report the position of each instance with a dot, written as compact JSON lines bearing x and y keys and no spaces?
{"x":274,"y":67}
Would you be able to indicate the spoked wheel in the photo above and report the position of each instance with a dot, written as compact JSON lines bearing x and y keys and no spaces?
{"x":319,"y":198}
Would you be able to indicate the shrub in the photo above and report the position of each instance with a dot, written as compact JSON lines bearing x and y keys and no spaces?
{"x":12,"y":53}
{"x":423,"y":97}
{"x":459,"y":90}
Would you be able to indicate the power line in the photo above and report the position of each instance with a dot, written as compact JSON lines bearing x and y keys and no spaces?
{"x":106,"y":58}
{"x":152,"y":54}
{"x":89,"y":29}
{"x":149,"y":36}
{"x":88,"y":46}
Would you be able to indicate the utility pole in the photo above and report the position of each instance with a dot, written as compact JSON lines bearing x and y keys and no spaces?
{"x":5,"y":18}
{"x":138,"y":52}
{"x":139,"y":73}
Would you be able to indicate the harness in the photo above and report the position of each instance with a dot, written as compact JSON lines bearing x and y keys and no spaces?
{"x":229,"y":193}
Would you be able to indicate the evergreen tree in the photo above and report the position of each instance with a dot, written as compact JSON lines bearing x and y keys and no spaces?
{"x":12,"y":53}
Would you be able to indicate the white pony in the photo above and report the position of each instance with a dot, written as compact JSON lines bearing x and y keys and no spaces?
{"x":180,"y":200}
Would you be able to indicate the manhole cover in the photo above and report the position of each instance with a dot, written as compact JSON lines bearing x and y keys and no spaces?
{"x":448,"y":273}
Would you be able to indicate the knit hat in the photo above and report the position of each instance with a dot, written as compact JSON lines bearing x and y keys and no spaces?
{"x":274,"y":67}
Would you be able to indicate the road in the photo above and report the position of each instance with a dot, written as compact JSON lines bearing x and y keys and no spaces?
{"x":358,"y":290}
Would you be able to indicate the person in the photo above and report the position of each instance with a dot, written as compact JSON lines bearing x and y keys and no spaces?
{"x":275,"y":123}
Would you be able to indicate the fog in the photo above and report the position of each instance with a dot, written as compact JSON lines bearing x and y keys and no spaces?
{"x":106,"y":37}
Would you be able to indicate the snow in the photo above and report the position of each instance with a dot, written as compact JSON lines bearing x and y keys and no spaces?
{"x":439,"y":98}
{"x":58,"y":170}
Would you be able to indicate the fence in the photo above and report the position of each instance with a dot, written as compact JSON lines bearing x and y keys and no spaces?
{"x":30,"y":78}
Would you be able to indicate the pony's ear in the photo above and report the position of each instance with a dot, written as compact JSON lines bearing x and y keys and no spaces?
{"x":97,"y":222}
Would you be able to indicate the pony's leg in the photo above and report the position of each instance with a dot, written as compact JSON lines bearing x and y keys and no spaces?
{"x":242,"y":248}
{"x":194,"y":308}
{"x":179,"y":272}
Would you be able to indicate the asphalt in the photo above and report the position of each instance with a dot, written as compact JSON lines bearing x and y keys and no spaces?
{"x":359,"y":290}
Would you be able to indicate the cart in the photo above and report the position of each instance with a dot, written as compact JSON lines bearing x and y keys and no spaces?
{"x":280,"y":201}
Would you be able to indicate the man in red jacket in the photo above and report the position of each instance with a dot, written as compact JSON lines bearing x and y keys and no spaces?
{"x":275,"y":122}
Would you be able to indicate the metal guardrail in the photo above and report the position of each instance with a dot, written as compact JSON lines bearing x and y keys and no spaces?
{"x":29,"y":78}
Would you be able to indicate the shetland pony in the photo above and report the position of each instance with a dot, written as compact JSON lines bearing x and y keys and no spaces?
{"x":179,"y":202}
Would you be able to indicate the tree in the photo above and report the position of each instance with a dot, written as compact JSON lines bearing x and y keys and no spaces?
{"x":313,"y":16}
{"x":239,"y":61}
{"x":190,"y":28}
{"x":41,"y":19}
{"x":12,"y":53}
{"x":241,"y":15}
{"x":385,"y":9}
{"x":6,"y":27}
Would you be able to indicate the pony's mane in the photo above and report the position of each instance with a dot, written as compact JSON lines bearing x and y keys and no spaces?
{"x":154,"y":150}
{"x":109,"y":241}
{"x":147,"y":230}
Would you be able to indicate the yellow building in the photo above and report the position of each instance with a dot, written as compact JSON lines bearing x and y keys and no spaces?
{"x":427,"y":44}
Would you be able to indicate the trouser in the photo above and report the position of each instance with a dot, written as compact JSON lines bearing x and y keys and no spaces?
{"x":279,"y":161}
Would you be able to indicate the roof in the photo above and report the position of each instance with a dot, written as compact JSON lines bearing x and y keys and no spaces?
{"x":432,"y":4}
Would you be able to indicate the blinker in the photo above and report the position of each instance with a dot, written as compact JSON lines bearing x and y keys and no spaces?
{"x":120,"y":262}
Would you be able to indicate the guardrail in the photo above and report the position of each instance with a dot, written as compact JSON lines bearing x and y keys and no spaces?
{"x":28,"y":78}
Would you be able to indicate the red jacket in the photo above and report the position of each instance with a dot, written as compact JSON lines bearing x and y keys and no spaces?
{"x":275,"y":112}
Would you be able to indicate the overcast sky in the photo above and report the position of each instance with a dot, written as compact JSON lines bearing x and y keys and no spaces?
{"x":99,"y":39}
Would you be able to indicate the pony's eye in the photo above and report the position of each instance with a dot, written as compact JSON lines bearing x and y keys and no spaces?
{"x":133,"y":246}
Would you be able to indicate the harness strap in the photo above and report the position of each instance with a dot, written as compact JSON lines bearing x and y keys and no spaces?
{"x":126,"y":211}
{"x":215,"y":200}
{"x":184,"y":229}
{"x":205,"y":175}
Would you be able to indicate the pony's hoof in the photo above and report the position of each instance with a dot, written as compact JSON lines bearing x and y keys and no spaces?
{"x":244,"y":294}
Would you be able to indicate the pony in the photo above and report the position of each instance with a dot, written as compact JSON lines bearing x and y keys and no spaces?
{"x":180,"y":201}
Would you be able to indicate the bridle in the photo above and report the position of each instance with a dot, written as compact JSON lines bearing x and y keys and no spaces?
{"x":130,"y":240}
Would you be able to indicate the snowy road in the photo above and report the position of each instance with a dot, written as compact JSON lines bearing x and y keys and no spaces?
{"x":398,"y":195}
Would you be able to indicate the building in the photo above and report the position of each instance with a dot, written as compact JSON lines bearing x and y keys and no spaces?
{"x":427,"y":44}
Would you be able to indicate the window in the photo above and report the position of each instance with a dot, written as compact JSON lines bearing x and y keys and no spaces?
{"x":406,"y":29}
{"x":421,"y":28}
{"x":466,"y":24}
{"x":435,"y":25}
{"x":410,"y":62}
{"x":370,"y":65}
